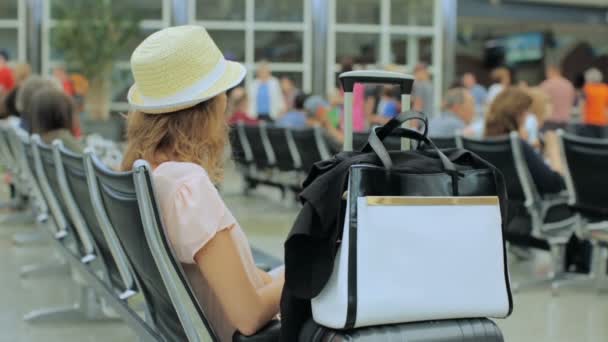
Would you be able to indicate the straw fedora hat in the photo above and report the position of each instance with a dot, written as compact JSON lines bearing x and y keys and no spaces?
{"x":179,"y":67}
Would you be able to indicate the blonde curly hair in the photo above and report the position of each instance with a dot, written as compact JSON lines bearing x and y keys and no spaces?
{"x":197,"y":134}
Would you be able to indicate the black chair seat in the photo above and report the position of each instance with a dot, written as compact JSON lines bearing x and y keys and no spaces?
{"x":558,"y":213}
{"x":471,"y":330}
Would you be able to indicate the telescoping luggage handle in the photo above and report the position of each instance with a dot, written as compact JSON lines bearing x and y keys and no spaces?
{"x":348,"y":80}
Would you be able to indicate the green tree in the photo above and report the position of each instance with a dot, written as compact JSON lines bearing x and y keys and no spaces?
{"x":90,"y":34}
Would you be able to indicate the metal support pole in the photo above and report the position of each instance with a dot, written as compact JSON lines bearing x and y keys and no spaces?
{"x":320,"y":20}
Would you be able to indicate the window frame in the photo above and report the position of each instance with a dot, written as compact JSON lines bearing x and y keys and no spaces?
{"x":385,"y":31}
{"x":19,"y":25}
{"x":250,"y":26}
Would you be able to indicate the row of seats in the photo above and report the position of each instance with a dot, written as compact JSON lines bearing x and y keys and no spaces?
{"x":282,"y":157}
{"x":583,"y":208}
{"x":108,"y":225}
{"x":276,"y":156}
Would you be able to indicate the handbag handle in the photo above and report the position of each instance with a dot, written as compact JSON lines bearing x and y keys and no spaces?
{"x":378,"y":147}
{"x":398,"y":121}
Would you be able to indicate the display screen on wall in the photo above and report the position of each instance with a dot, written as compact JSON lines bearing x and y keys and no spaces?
{"x":515,"y":49}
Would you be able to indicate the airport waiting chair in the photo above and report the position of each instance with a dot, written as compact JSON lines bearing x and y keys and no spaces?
{"x":283,"y":147}
{"x":547,"y":221}
{"x":583,"y":158}
{"x":588,"y":131}
{"x":262,"y":155}
{"x":114,"y":201}
{"x":113,"y":263}
{"x":445,"y":142}
{"x":310,"y":146}
{"x":237,"y":147}
{"x":76,"y":241}
{"x":190,"y":312}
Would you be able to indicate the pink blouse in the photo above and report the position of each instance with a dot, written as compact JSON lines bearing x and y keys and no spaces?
{"x":193,"y":212}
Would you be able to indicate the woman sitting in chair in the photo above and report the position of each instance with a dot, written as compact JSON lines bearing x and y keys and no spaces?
{"x":52,"y":115}
{"x":178,"y":125}
{"x":506,"y":114}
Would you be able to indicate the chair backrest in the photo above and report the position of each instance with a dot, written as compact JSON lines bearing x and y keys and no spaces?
{"x":115,"y":203}
{"x":75,"y":191}
{"x":258,"y":142}
{"x":48,"y":192}
{"x":20,"y":146}
{"x":444,"y":142}
{"x":236,"y":145}
{"x":359,"y":140}
{"x":190,"y":313}
{"x":505,"y":154}
{"x":283,"y":146}
{"x":586,"y":160}
{"x":307,"y":145}
{"x":587,"y":130}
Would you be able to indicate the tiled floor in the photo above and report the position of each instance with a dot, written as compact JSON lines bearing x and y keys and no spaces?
{"x":573,"y":316}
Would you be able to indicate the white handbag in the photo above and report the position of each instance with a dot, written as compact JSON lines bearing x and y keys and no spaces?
{"x":415,"y":259}
{"x":435,"y":254}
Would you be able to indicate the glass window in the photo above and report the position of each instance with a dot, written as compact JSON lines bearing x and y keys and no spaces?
{"x":124,"y":54}
{"x":398,"y":53}
{"x":9,"y":9}
{"x":278,"y":46}
{"x":358,"y":11}
{"x":231,"y":43}
{"x":363,"y":48}
{"x":8,"y":42}
{"x":412,"y":12}
{"x":296,"y":77}
{"x":425,"y":50}
{"x":149,"y":9}
{"x":121,"y":82}
{"x":279,"y":10}
{"x":220,"y":10}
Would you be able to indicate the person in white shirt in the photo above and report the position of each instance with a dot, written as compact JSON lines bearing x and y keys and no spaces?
{"x":265,"y":94}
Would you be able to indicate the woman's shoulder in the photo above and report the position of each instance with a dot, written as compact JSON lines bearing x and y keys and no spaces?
{"x":180,"y":171}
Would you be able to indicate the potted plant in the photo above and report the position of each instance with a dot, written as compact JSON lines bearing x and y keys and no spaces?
{"x":90,"y":34}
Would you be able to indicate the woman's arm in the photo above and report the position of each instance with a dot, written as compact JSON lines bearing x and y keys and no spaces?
{"x":247,"y":307}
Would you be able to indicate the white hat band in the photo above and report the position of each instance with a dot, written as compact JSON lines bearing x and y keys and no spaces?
{"x":185,"y":95}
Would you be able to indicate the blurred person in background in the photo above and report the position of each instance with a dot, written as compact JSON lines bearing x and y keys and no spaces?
{"x":64,"y":80}
{"x":595,"y":94}
{"x":266,"y":100}
{"x":81,"y":88}
{"x":539,"y":111}
{"x":290,"y":91}
{"x":388,"y":106}
{"x":478,"y":91}
{"x":501,"y":79}
{"x":319,"y":112}
{"x":458,"y":113}
{"x":25,"y":95}
{"x":506,"y":114}
{"x":238,"y":105}
{"x":7,"y":80}
{"x":361,"y":106}
{"x":296,"y":117}
{"x":561,"y":95}
{"x":422,"y":94}
{"x":52,"y":114}
{"x":22,"y":72}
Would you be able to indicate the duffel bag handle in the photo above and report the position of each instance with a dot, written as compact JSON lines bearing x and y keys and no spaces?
{"x":398,"y":121}
{"x":378,"y":147}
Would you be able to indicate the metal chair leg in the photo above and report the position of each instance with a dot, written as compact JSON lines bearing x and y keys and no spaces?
{"x":88,"y":308}
{"x":592,"y":280}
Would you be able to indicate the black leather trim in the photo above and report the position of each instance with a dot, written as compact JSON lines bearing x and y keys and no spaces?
{"x":351,"y":309}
